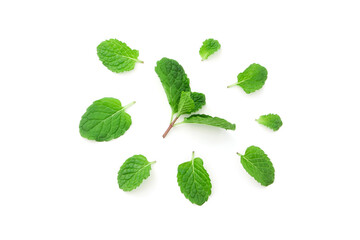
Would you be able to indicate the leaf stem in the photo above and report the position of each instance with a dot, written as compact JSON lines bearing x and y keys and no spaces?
{"x":239,"y":154}
{"x":232,"y":85}
{"x":138,"y":60}
{"x":193,"y":155}
{"x":129,"y":105}
{"x":170,"y":127}
{"x":152,"y":162}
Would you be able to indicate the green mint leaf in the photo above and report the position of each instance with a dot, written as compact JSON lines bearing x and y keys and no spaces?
{"x":272,"y":121}
{"x":174,"y":81}
{"x":186,"y":104}
{"x":208,"y":120}
{"x":117,"y":56}
{"x":199,"y":100}
{"x":133,"y":172}
{"x":105,"y":120}
{"x":258,"y":165}
{"x":252,"y":79}
{"x":209,"y":47}
{"x":194,"y":181}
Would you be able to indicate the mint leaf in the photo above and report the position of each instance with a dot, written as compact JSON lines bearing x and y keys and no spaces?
{"x":272,"y":121}
{"x":258,"y":165}
{"x":199,"y":100}
{"x":174,"y":81}
{"x":194,"y":181}
{"x":117,"y":56}
{"x":208,"y":120}
{"x":186,"y":104}
{"x":105,"y":120}
{"x":252,"y":79}
{"x":133,"y":172}
{"x":209,"y":47}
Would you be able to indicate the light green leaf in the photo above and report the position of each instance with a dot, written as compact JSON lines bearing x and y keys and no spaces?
{"x":209,"y":47}
{"x":199,"y":100}
{"x":272,"y":121}
{"x":258,"y":165}
{"x":117,"y":56}
{"x":173,"y":79}
{"x":186,"y":104}
{"x":252,"y":79}
{"x":133,"y":172}
{"x":105,"y":120}
{"x":194,"y":181}
{"x":208,"y":120}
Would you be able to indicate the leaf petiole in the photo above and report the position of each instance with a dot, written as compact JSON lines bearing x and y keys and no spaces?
{"x":129,"y":105}
{"x":232,"y":85}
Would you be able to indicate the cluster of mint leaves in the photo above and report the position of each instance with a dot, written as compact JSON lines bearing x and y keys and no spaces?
{"x":106,"y":119}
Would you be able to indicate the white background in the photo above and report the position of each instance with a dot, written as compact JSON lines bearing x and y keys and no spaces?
{"x":54,"y":184}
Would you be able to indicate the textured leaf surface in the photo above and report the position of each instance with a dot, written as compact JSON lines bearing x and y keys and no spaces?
{"x":252,"y":79}
{"x":209,"y":47}
{"x":105,"y":120}
{"x":133,"y":172}
{"x":173,"y":79}
{"x":208,"y":120}
{"x":194,"y":181}
{"x":117,"y":56}
{"x":199,"y":100}
{"x":186,"y":104}
{"x":272,"y":121}
{"x":258,"y":165}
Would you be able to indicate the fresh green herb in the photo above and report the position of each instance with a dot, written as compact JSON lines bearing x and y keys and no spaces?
{"x":133,"y":172}
{"x":177,"y":88}
{"x":208,"y":120}
{"x":105,"y":120}
{"x":117,"y":56}
{"x":194,"y":181}
{"x":258,"y":165}
{"x":272,"y":121}
{"x":209,"y":47}
{"x":252,"y":79}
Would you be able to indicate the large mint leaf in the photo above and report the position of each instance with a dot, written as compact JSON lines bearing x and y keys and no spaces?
{"x":252,"y":79}
{"x":133,"y":172}
{"x":194,"y":181}
{"x":117,"y":56}
{"x":272,"y":121}
{"x":105,"y":120}
{"x":258,"y":165}
{"x":209,"y":47}
{"x":186,"y":104}
{"x":173,"y":79}
{"x":209,"y":120}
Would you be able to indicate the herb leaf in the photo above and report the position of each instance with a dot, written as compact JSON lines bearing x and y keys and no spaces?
{"x":209,"y":47}
{"x":272,"y":121}
{"x":199,"y":100}
{"x":133,"y":172}
{"x":105,"y":120}
{"x":258,"y":165}
{"x":186,"y":104}
{"x":252,"y":79}
{"x":117,"y":56}
{"x":209,"y":120}
{"x":194,"y":181}
{"x":174,"y":81}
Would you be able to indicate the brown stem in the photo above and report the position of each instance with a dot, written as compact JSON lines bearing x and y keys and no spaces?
{"x":170,"y":127}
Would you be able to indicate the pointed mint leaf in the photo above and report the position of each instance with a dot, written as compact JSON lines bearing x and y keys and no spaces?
{"x":117,"y":56}
{"x":133,"y":172}
{"x":194,"y":181}
{"x":252,"y":79}
{"x":272,"y":121}
{"x":209,"y":47}
{"x":105,"y":120}
{"x":186,"y":104}
{"x":199,"y":100}
{"x":209,"y":120}
{"x":174,"y":81}
{"x":258,"y":165}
